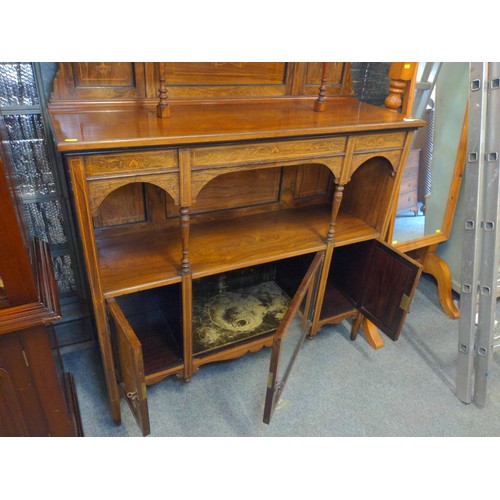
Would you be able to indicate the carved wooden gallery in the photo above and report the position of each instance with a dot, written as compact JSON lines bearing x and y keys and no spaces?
{"x":221,"y":209}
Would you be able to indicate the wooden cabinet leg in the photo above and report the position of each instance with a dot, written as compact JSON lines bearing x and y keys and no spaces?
{"x":371,"y":334}
{"x":370,"y":331}
{"x":356,"y":324}
{"x":437,"y":267}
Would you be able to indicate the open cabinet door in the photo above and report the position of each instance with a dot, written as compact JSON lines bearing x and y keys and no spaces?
{"x":379,"y":281}
{"x":290,"y":335}
{"x":131,"y":366}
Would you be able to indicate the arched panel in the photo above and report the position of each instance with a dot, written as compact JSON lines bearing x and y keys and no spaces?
{"x":359,"y":159}
{"x":100,"y":189}
{"x":375,"y":179}
{"x":200,"y":178}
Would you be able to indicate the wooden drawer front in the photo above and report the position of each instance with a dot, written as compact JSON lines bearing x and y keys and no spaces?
{"x":410,"y":172}
{"x":268,"y":152}
{"x":126,"y":163}
{"x":408,"y":185}
{"x":407,"y":200}
{"x":380,"y":141}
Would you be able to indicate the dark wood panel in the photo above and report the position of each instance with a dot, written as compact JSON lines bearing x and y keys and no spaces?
{"x":239,"y":189}
{"x":131,"y":367}
{"x":12,"y":422}
{"x":225,"y":73}
{"x":338,"y":78}
{"x":15,"y":267}
{"x":103,"y":74}
{"x":334,"y":73}
{"x":126,"y":205}
{"x":14,"y":361}
{"x":388,"y":291}
{"x":378,"y":280}
{"x":312,"y":180}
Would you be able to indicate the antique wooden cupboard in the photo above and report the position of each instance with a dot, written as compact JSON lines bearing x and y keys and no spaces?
{"x":36,"y":396}
{"x":206,"y":231}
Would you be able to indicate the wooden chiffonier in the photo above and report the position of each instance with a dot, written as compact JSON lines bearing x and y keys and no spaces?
{"x":244,"y":213}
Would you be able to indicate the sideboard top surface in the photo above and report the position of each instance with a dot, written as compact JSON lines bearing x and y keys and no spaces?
{"x":92,"y":129}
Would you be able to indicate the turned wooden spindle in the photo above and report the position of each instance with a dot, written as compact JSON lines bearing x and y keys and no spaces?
{"x":163,"y":108}
{"x":184,"y":222}
{"x":399,"y":75}
{"x":337,"y":198}
{"x":320,"y":104}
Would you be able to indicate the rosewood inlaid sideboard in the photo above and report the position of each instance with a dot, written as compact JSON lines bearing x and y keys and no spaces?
{"x":205,"y":232}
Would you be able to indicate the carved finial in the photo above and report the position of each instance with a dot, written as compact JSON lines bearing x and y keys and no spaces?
{"x":395,"y":98}
{"x":399,"y":75}
{"x":320,"y":104}
{"x":163,"y":108}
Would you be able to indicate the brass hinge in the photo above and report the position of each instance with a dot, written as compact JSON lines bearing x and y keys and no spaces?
{"x":405,"y":302}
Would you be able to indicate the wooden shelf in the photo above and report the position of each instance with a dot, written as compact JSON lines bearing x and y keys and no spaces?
{"x":139,"y":261}
{"x":257,"y":239}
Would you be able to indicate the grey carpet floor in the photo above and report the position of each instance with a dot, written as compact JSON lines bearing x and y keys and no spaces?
{"x":337,"y":388}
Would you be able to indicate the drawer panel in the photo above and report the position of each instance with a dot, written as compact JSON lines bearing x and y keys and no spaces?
{"x":410,"y":172}
{"x":248,"y":154}
{"x":408,"y":185}
{"x":407,"y":201}
{"x":126,"y":163}
{"x":380,"y":141}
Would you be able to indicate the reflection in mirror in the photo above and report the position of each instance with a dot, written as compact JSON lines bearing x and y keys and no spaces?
{"x":427,"y":178}
{"x":290,"y":335}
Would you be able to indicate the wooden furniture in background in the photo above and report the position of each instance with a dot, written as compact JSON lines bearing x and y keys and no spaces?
{"x":408,"y":191}
{"x":36,"y":397}
{"x":242,"y":194}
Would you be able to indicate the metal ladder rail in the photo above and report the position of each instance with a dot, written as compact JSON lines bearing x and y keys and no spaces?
{"x":424,"y":88}
{"x":486,"y":341}
{"x":473,"y":183}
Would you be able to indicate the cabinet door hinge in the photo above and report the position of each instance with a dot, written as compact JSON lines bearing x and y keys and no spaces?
{"x":405,"y":302}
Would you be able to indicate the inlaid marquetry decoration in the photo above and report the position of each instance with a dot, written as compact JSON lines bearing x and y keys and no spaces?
{"x":99,"y":190}
{"x":104,"y":74}
{"x":129,"y":163}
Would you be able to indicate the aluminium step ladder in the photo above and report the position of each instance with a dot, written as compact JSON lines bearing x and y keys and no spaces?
{"x":477,"y":336}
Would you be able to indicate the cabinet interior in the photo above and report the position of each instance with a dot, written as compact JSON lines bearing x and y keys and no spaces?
{"x":244,"y":304}
{"x":154,"y":316}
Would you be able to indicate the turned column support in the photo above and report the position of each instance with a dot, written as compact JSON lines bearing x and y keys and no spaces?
{"x":337,"y":199}
{"x":163,"y":108}
{"x":184,"y":222}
